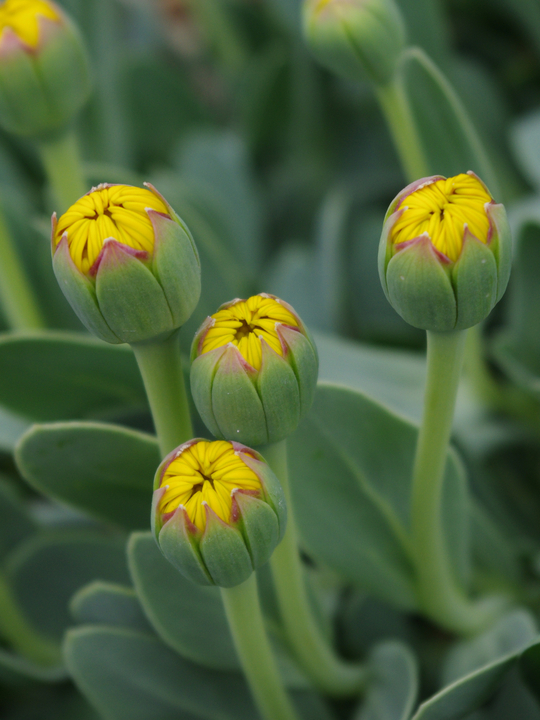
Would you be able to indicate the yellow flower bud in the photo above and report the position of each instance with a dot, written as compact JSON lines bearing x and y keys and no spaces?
{"x":109,"y":211}
{"x":127,"y":263}
{"x":44,"y":72}
{"x":244,"y":323}
{"x":443,"y":209}
{"x":218,"y":511}
{"x":254,"y":370}
{"x":445,"y":252}
{"x":206,"y":473}
{"x":21,"y":17}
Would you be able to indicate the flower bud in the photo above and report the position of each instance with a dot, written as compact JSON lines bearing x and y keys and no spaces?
{"x":356,"y":37}
{"x":218,"y":511}
{"x":445,"y":253}
{"x":254,"y":370}
{"x":126,"y":263}
{"x":44,"y":72}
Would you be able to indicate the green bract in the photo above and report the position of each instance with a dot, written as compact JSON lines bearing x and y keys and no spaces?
{"x":432,"y":292}
{"x":42,"y":88}
{"x":238,"y":402}
{"x":223,"y":554}
{"x":356,"y":37}
{"x":132,"y":295}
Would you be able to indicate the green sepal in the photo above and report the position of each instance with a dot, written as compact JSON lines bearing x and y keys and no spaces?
{"x":273,"y":492}
{"x":129,"y":296}
{"x":302,"y":355}
{"x":178,"y":542}
{"x":81,"y":294}
{"x":224,"y":552}
{"x":419,"y":288}
{"x":280,"y":396}
{"x":176,"y":265}
{"x":24,"y":109}
{"x":236,"y":405}
{"x":259,"y":526}
{"x":356,"y":39}
{"x":202,"y":374}
{"x":63,"y":68}
{"x":474,"y":277}
{"x":501,"y":245}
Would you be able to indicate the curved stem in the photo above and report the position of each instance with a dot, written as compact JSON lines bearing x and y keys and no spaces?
{"x":314,"y":653}
{"x":244,"y":614}
{"x":161,"y":369}
{"x":62,"y":162}
{"x":21,"y":636}
{"x":18,"y":301}
{"x":439,"y":592}
{"x":397,"y":111}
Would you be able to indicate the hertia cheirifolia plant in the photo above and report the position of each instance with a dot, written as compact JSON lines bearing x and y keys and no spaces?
{"x":269,"y":439}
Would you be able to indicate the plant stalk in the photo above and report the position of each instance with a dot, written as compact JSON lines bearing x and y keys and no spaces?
{"x":245,"y":618}
{"x":439,"y":592}
{"x":313,"y":651}
{"x":62,"y":162}
{"x":397,"y":111}
{"x":19,"y":304}
{"x":160,"y":364}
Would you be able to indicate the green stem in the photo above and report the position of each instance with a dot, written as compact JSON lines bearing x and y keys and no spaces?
{"x":439,"y":593}
{"x":18,"y":301}
{"x":62,"y":162}
{"x":251,"y":641}
{"x":161,"y":369}
{"x":331,"y":674}
{"x":20,"y":635}
{"x":400,"y":120}
{"x":228,"y":44}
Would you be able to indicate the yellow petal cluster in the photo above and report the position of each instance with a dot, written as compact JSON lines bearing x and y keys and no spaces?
{"x":442,"y":210}
{"x":117,"y":211}
{"x":22,"y":17}
{"x":206,"y":472}
{"x":245,"y":323}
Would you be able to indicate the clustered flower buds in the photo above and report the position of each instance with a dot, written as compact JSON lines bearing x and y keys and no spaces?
{"x":254,"y":370}
{"x":445,"y":253}
{"x":44,"y":72}
{"x":126,"y":263}
{"x":218,"y":511}
{"x":356,"y":38}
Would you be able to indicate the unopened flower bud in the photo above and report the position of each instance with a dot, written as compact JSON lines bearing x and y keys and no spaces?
{"x":126,"y":263}
{"x":356,"y":37}
{"x":445,"y":253}
{"x":254,"y":370}
{"x":218,"y":511}
{"x":44,"y":72}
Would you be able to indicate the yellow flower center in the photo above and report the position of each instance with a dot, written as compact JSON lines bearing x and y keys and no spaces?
{"x":245,"y":323}
{"x":206,"y":472}
{"x":117,"y":211}
{"x":442,"y":210}
{"x":22,"y":17}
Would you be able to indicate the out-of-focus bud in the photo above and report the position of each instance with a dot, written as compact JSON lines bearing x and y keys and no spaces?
{"x":218,"y":511}
{"x":254,"y":370}
{"x":445,"y":253}
{"x":356,"y":37}
{"x":44,"y":71}
{"x":126,"y":263}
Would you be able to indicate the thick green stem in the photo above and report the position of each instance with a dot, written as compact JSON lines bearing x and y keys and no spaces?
{"x":439,"y":593}
{"x":251,"y":641}
{"x":62,"y":162}
{"x":331,"y":674}
{"x":161,"y":369}
{"x":19,"y":304}
{"x":20,"y":635}
{"x":400,"y":120}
